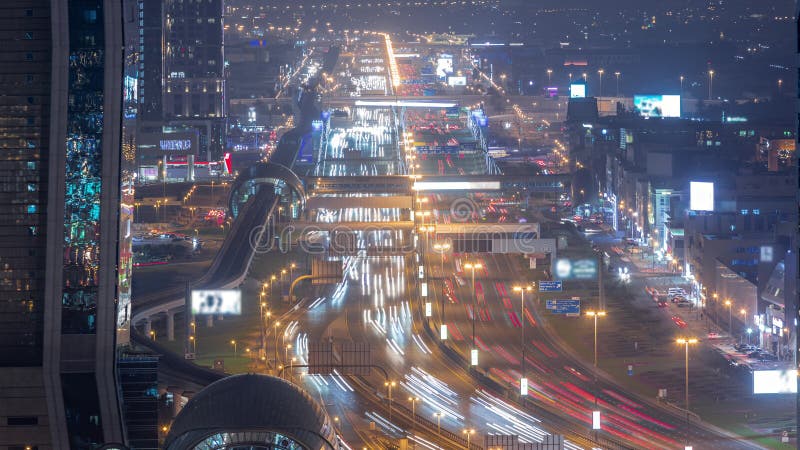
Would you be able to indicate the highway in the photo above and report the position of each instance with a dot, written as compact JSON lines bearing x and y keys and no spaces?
{"x":379,"y":301}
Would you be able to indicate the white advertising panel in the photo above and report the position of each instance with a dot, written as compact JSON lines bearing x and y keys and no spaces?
{"x":774,"y":381}
{"x":444,"y":66}
{"x":577,"y":90}
{"x":456,"y":186}
{"x":457,"y":81}
{"x":657,"y":105}
{"x":671,"y":105}
{"x":701,"y":196}
{"x":595,"y":420}
{"x":217,"y":301}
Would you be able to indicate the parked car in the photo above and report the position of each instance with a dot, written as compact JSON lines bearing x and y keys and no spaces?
{"x":745,"y":348}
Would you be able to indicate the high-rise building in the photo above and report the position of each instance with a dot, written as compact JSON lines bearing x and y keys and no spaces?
{"x":65,"y":204}
{"x":181,"y":79}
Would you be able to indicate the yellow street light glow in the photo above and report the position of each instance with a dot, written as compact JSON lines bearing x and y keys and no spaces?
{"x":686,"y":341}
{"x":595,"y":313}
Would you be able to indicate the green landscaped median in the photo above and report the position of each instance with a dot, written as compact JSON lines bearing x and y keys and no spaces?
{"x":214,"y":343}
{"x":753,"y":418}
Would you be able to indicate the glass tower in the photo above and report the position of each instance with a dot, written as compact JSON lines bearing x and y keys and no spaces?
{"x":67,"y":110}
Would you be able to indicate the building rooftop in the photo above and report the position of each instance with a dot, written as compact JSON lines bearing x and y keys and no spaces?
{"x":254,"y":410}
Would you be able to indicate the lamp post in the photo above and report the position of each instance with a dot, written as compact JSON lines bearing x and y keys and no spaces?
{"x":729,"y":304}
{"x":438,"y":416}
{"x":153,"y":334}
{"x":441,"y":248}
{"x":474,"y":351}
{"x":617,"y":74}
{"x":710,"y":83}
{"x":601,"y":72}
{"x":780,"y":86}
{"x":233,"y":343}
{"x":549,"y":74}
{"x":681,"y":78}
{"x":743,"y":312}
{"x":286,"y":353}
{"x":277,"y":324}
{"x":595,"y":315}
{"x":413,"y":401}
{"x":389,"y":385}
{"x":468,"y":432}
{"x":193,"y":341}
{"x":523,"y":381}
{"x":685,"y":342}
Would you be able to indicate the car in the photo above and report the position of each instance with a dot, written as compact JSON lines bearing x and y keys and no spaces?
{"x":746,"y":348}
{"x":677,"y":298}
{"x":683,"y":303}
{"x":662,"y":304}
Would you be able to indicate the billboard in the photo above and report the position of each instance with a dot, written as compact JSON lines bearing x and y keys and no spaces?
{"x":657,"y":105}
{"x":444,"y":66}
{"x":217,"y":301}
{"x":577,"y":90}
{"x":774,"y":381}
{"x":457,"y":81}
{"x":577,"y":269}
{"x":701,"y":196}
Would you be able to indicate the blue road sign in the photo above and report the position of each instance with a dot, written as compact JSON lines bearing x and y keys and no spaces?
{"x":568,"y":307}
{"x":551,"y":286}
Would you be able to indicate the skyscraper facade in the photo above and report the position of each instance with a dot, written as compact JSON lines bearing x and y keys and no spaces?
{"x":65,"y":238}
{"x":194,"y":70}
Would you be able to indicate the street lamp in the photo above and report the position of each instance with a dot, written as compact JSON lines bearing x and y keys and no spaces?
{"x":474,"y":352}
{"x":681,"y":84}
{"x":153,"y":334}
{"x":277,"y":324}
{"x":468,"y":432}
{"x":595,"y":315}
{"x":729,"y":304}
{"x":194,"y":343}
{"x":549,"y":73}
{"x":617,"y":74}
{"x":286,"y":353}
{"x":233,"y":343}
{"x":441,"y":248}
{"x":389,"y":385}
{"x":523,"y":381}
{"x":685,"y":342}
{"x":438,"y":416}
{"x":601,"y":72}
{"x":413,"y":401}
{"x":710,"y":83}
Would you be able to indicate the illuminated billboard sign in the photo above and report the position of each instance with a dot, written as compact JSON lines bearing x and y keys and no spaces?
{"x":657,"y":105}
{"x":578,"y":269}
{"x":577,"y":90}
{"x":456,"y":186}
{"x":444,"y":66}
{"x":774,"y":382}
{"x":701,"y":196}
{"x":217,"y":301}
{"x":457,"y":81}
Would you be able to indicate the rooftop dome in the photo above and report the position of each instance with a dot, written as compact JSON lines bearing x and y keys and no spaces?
{"x":251,"y":409}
